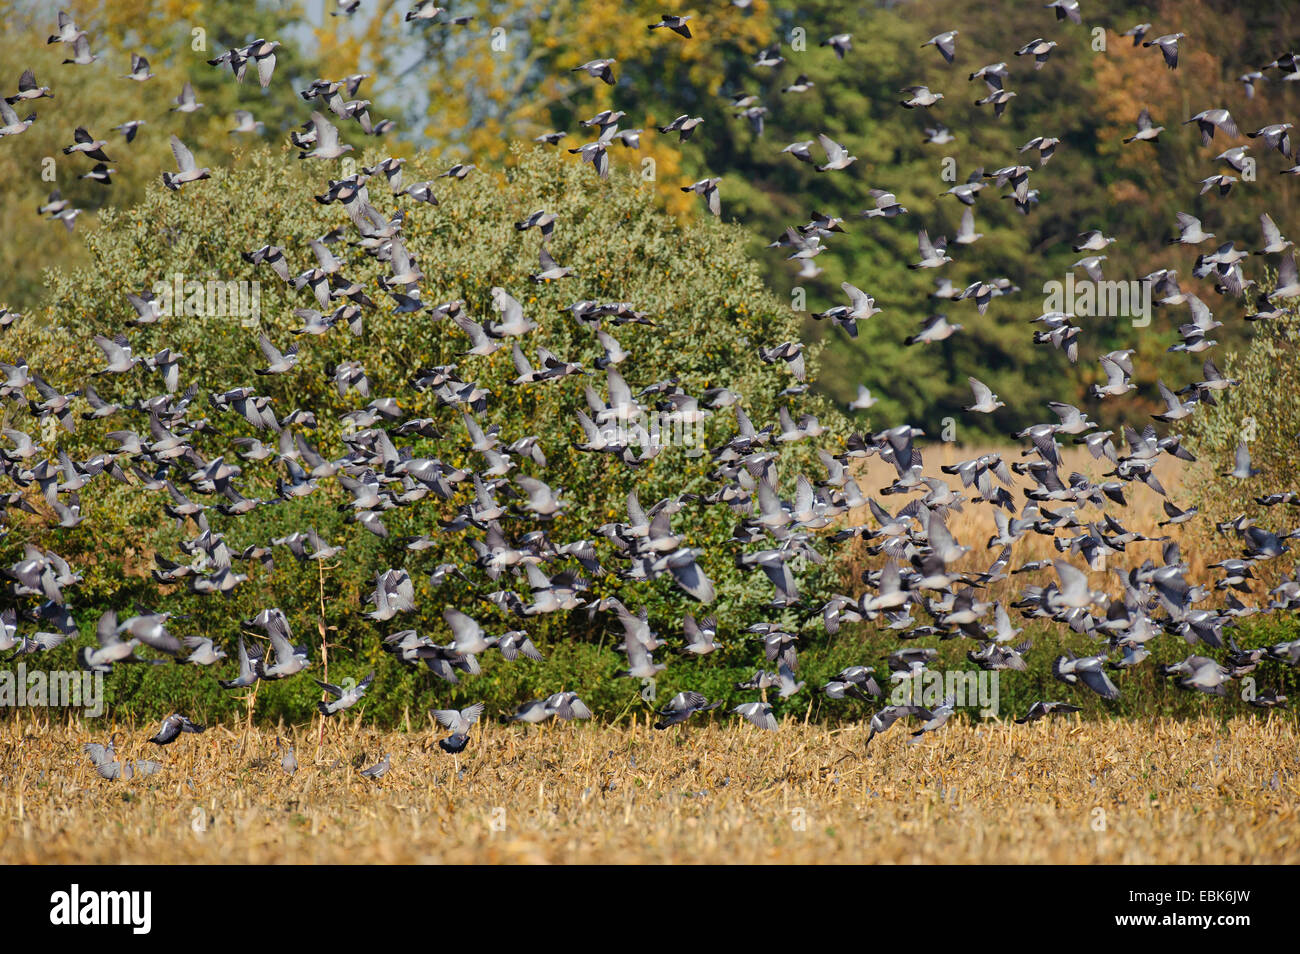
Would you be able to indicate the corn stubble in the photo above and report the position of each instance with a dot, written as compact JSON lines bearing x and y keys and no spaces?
{"x":1058,"y":791}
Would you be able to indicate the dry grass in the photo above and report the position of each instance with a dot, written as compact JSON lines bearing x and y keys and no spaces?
{"x":1168,"y":792}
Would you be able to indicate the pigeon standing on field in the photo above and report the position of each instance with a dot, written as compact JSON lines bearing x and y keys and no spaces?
{"x":106,"y":763}
{"x":104,"y":758}
{"x":288,"y":760}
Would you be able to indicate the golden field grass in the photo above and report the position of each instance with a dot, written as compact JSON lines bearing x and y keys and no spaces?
{"x":1058,"y":791}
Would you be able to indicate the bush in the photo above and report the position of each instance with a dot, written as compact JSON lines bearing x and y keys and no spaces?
{"x":705,"y":296}
{"x":1264,"y":411}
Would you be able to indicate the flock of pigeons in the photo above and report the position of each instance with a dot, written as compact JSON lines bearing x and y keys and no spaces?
{"x":378,"y":469}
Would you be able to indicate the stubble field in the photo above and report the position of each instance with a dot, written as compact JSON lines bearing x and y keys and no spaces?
{"x":1199,"y":791}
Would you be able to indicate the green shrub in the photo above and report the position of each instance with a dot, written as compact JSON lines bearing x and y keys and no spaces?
{"x":710,"y":310}
{"x":1264,"y":411}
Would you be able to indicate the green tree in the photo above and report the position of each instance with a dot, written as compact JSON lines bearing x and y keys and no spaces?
{"x":97,"y":97}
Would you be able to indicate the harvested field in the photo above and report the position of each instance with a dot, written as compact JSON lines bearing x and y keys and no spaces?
{"x":1165,"y":791}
